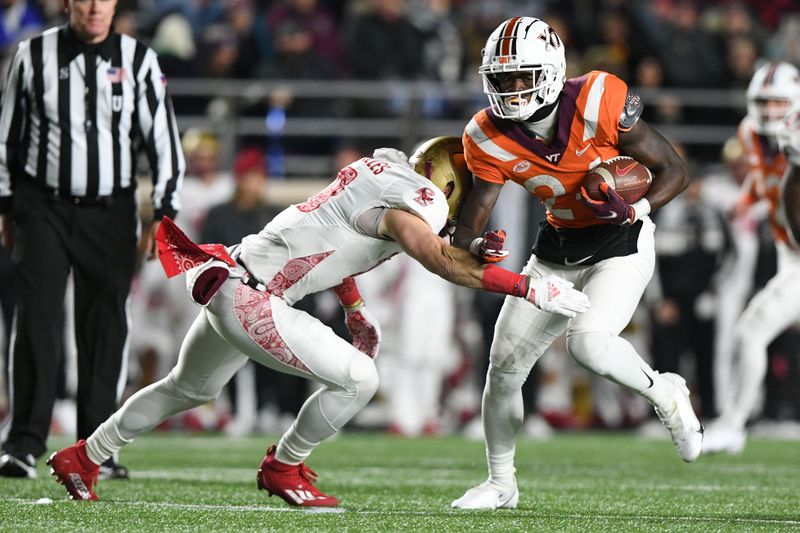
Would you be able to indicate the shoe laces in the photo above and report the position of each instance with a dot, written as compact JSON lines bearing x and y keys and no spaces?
{"x":306,"y":473}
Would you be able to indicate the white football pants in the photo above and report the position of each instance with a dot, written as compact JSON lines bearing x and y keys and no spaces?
{"x":241,"y":323}
{"x":773,"y":309}
{"x":523,"y":333}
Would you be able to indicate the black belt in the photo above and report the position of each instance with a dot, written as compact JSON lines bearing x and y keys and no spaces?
{"x":86,"y":201}
{"x":249,"y":279}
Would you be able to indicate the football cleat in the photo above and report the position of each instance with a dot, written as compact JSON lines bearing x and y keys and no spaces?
{"x":293,"y":483}
{"x":725,"y":438}
{"x":678,"y":417}
{"x":488,"y":495}
{"x":72,"y":468}
{"x":113,"y":470}
{"x":19,"y":466}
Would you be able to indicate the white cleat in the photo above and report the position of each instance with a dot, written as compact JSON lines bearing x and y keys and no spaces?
{"x":679,"y":418}
{"x":488,"y":495}
{"x":725,"y":438}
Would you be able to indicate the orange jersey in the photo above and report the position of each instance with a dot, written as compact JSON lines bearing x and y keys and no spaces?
{"x":586,"y":133}
{"x":766,"y":169}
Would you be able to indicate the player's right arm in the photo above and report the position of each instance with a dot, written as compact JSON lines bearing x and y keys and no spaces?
{"x":459,"y":266}
{"x":475,"y":213}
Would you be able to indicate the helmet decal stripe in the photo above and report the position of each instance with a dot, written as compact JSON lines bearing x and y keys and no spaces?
{"x":770,"y":79}
{"x":500,"y":39}
{"x":507,"y":36}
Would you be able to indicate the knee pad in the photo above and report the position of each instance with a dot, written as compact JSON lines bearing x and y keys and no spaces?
{"x":363,"y":375}
{"x":178,"y":389}
{"x":503,"y":382}
{"x":590,"y":349}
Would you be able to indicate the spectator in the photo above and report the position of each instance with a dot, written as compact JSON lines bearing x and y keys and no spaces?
{"x":305,"y":40}
{"x":383,"y":44}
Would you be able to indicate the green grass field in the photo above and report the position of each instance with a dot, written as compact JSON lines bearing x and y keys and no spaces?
{"x":581,"y":482}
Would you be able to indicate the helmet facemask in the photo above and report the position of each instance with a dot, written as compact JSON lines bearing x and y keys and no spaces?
{"x":772,"y":91}
{"x":521,"y":105}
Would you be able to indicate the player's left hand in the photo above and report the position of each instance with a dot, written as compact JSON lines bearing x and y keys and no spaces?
{"x":364,"y":329}
{"x":614,"y":209}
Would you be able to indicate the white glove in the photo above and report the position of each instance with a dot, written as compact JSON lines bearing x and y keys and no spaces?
{"x":364,"y":328}
{"x":554,"y":294}
{"x":392,"y":155}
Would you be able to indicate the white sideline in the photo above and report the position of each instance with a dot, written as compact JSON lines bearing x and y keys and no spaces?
{"x":532,"y":513}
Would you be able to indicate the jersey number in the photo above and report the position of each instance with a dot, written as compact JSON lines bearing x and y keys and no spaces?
{"x":345,"y":176}
{"x":556,"y":189}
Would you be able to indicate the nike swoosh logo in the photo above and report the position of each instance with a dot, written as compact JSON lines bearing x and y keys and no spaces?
{"x":580,"y":152}
{"x":625,"y":170}
{"x":610,"y":216}
{"x":567,"y":262}
{"x":648,"y":377}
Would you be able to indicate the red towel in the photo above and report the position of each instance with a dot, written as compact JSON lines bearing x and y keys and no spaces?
{"x":178,"y":253}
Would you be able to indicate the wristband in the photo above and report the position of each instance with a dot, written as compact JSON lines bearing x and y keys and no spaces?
{"x":348,"y":294}
{"x":475,"y":246}
{"x":496,"y":279}
{"x":641,"y":208}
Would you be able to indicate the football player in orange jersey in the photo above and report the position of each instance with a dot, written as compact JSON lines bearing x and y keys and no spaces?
{"x":772,"y":91}
{"x":790,"y":193}
{"x":545,"y":132}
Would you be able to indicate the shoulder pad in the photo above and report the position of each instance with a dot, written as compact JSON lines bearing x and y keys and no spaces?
{"x":631,"y":111}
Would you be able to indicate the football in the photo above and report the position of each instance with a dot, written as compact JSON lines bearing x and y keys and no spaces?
{"x":624,"y":174}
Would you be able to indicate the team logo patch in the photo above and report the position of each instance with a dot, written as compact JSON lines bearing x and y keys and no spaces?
{"x":116,"y":74}
{"x":424,"y":196}
{"x":522,"y":166}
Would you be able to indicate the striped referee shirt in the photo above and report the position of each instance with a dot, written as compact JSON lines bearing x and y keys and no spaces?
{"x":76,"y":130}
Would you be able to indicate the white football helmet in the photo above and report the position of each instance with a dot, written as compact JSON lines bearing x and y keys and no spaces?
{"x":523,"y":44}
{"x":777,"y":83}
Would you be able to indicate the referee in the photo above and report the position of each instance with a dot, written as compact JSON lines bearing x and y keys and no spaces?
{"x":79,"y":102}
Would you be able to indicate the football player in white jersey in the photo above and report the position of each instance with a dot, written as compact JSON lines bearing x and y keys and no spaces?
{"x":775,"y":87}
{"x":376,"y":207}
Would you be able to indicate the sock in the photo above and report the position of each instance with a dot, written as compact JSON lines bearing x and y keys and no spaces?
{"x":502,"y":419}
{"x":293,"y":449}
{"x":501,"y":468}
{"x":105,"y":442}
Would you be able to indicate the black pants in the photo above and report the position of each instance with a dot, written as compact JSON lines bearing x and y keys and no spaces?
{"x":54,"y":236}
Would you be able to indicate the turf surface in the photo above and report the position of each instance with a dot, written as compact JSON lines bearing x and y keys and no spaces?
{"x":580,"y":482}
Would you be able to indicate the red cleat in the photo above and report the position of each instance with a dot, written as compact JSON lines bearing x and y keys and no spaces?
{"x":293,"y":483}
{"x":72,"y":468}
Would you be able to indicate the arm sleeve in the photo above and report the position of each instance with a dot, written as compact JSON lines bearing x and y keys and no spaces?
{"x":12,"y":112}
{"x":161,"y":138}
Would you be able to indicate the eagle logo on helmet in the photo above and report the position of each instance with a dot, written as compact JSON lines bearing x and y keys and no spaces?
{"x":441,"y":160}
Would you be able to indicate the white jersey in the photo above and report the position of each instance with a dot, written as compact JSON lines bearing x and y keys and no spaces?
{"x":314,"y":245}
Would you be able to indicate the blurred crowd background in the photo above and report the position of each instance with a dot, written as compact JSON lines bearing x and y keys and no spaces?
{"x":272,"y":97}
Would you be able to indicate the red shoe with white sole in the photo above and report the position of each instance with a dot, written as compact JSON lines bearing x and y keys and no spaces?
{"x":72,"y":468}
{"x":293,"y":483}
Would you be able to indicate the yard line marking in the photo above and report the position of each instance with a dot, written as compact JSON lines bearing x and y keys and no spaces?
{"x":521,"y":512}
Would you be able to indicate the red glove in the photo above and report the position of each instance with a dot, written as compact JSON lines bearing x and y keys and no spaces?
{"x":490,"y":248}
{"x":361,"y":324}
{"x":364,"y":329}
{"x":613,"y":209}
